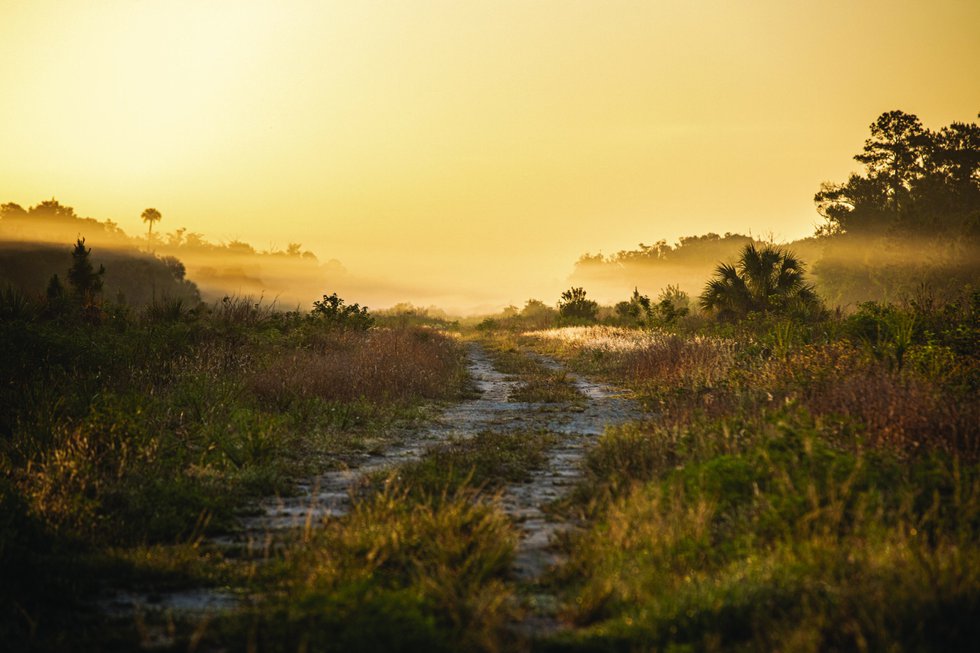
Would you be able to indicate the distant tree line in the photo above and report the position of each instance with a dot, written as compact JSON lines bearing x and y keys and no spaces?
{"x":910,"y":217}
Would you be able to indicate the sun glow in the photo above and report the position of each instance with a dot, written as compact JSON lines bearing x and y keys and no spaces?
{"x":463,"y":145}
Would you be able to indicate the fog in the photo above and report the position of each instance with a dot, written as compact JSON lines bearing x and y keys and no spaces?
{"x":845,"y":269}
{"x":292,"y":277}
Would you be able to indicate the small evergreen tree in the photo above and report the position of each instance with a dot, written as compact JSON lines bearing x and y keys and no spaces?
{"x":672,"y":305}
{"x":55,"y":290}
{"x":84,"y":280}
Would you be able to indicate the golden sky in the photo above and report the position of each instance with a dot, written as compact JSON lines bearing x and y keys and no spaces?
{"x":463,"y":143}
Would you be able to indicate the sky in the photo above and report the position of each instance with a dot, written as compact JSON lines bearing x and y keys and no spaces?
{"x":471,"y":146}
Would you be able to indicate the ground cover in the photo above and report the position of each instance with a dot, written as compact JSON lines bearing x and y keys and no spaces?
{"x":801,"y":487}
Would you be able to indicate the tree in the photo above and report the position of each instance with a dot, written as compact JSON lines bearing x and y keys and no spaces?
{"x":672,"y":304}
{"x":85,"y":281}
{"x":150,"y":216}
{"x":915,"y":181}
{"x":12,"y":211}
{"x":538,"y":315}
{"x":573,"y":305}
{"x":764,"y":280}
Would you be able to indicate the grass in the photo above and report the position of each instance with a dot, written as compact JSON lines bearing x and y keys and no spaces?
{"x":126,"y":438}
{"x":403,"y":571}
{"x":780,"y":542}
{"x":488,"y":461}
{"x":795,"y":489}
{"x":797,"y":486}
{"x":540,"y":383}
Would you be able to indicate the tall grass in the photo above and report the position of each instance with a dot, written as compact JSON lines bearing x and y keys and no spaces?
{"x":154,"y":429}
{"x":397,"y":574}
{"x":782,"y":543}
{"x":799,"y":487}
{"x":380,"y":365}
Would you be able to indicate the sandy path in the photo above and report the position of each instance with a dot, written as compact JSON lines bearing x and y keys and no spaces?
{"x":278,"y":519}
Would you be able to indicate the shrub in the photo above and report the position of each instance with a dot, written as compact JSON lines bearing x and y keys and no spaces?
{"x":332,"y":312}
{"x":574,"y":306}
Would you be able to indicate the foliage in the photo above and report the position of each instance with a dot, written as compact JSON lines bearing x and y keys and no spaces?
{"x":915,"y":181}
{"x":332,"y":312}
{"x":774,"y":540}
{"x":798,"y":489}
{"x":912,"y":217}
{"x":635,"y":311}
{"x":672,"y":304}
{"x":398,"y":574}
{"x":573,"y":305}
{"x":764,"y":280}
{"x":156,"y":427}
{"x":131,"y":277}
{"x":85,"y":281}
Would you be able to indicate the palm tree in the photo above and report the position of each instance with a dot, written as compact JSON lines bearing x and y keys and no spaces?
{"x":765,"y":279}
{"x":150,"y":216}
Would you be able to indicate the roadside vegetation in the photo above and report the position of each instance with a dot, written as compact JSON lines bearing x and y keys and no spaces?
{"x":126,"y":436}
{"x":800,"y":485}
{"x":805,"y":477}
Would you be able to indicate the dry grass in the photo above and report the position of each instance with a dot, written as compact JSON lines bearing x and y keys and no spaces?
{"x":383,"y":365}
{"x":601,"y":338}
{"x":674,"y":361}
{"x":903,"y":411}
{"x":900,"y":412}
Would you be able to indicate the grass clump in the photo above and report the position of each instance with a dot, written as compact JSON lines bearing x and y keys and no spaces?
{"x":540,"y":383}
{"x":488,"y":460}
{"x":399,"y":573}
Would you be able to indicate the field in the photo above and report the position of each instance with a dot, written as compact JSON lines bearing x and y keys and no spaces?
{"x":235,"y":477}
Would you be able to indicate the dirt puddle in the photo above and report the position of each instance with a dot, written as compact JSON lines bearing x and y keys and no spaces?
{"x":276,"y":520}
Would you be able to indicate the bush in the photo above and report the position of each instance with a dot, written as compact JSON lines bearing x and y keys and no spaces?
{"x":573,"y":306}
{"x":332,"y":312}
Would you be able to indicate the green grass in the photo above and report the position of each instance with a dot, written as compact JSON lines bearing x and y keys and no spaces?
{"x":778,"y":541}
{"x":488,"y":460}
{"x":796,"y":487}
{"x":123,"y":441}
{"x":404,"y":571}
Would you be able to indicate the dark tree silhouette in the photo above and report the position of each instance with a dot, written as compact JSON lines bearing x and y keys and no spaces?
{"x":85,"y":281}
{"x":764,"y":280}
{"x":916,"y":181}
{"x":150,"y":216}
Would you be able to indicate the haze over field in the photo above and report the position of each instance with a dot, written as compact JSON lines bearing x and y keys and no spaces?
{"x":464,"y":153}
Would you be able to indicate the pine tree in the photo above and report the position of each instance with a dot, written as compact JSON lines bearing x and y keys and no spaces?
{"x":85,"y":281}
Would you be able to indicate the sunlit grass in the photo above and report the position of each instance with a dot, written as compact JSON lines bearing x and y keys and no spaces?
{"x":400,"y":572}
{"x":540,"y":383}
{"x":774,"y":540}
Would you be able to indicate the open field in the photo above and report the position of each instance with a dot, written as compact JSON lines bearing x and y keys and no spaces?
{"x":238,"y":478}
